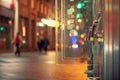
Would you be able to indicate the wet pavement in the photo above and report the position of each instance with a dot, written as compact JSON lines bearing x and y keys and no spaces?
{"x":40,"y":66}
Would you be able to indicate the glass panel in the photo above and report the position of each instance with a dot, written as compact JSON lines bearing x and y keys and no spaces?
{"x":5,"y":33}
{"x":24,"y":26}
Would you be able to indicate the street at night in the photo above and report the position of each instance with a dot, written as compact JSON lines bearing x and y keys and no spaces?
{"x":81,"y":38}
{"x":40,"y":66}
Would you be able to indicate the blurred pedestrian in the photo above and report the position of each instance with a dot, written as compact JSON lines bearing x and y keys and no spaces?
{"x":17,"y":42}
{"x":40,"y":43}
{"x":45,"y":44}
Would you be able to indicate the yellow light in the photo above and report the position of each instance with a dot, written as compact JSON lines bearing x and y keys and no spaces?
{"x":77,"y":27}
{"x":99,"y":39}
{"x":57,"y":44}
{"x":74,"y":46}
{"x":24,"y":41}
{"x":37,"y":34}
{"x":91,"y":39}
{"x":49,"y":22}
{"x":82,"y":35}
{"x":79,"y":20}
{"x":102,"y":40}
{"x":61,"y":44}
{"x":44,"y":21}
{"x":57,"y":24}
{"x":40,"y":24}
{"x":24,"y":31}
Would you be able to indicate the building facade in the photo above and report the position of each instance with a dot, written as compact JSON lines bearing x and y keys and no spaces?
{"x":112,"y":39}
{"x":30,"y":12}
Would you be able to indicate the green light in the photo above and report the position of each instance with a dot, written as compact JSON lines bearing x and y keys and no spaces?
{"x":81,"y":5}
{"x":2,"y":28}
{"x":79,"y":15}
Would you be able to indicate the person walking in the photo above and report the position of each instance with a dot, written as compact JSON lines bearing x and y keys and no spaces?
{"x":17,"y":43}
{"x":40,"y":44}
{"x":45,"y":44}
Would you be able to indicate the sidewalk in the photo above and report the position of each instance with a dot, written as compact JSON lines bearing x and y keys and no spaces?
{"x":35,"y":66}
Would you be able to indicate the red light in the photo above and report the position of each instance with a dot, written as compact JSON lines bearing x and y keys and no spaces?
{"x":80,"y":41}
{"x":1,"y":44}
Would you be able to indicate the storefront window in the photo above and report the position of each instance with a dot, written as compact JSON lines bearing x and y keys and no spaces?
{"x":5,"y":33}
{"x":24,"y":31}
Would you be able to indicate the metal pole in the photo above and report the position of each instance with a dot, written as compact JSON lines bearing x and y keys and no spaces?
{"x":56,"y":29}
{"x":64,"y":37}
{"x":16,"y":18}
{"x":62,"y":29}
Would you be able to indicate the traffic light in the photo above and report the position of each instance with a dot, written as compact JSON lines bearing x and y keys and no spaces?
{"x":80,"y":9}
{"x":79,"y":15}
{"x":80,"y":5}
{"x":2,"y":28}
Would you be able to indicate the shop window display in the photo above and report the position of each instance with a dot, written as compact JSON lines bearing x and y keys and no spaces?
{"x":5,"y":33}
{"x":24,"y":31}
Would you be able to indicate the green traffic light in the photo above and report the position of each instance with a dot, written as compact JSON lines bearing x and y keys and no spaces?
{"x":2,"y":28}
{"x":79,"y":15}
{"x":80,"y":5}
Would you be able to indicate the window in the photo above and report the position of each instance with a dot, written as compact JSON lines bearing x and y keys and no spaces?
{"x":32,"y":4}
{"x":5,"y":33}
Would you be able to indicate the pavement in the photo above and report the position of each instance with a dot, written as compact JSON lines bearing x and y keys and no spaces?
{"x":40,"y":66}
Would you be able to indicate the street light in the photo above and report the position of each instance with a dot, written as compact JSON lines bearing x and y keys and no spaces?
{"x":40,"y":24}
{"x":49,"y":22}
